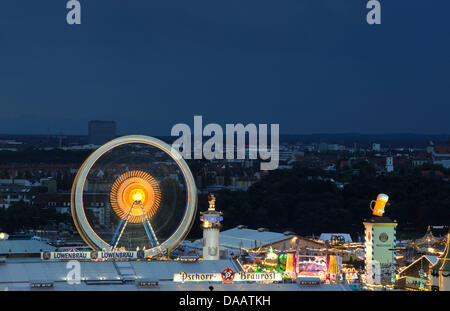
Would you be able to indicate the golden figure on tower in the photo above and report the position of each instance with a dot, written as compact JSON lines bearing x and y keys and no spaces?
{"x":212,"y":202}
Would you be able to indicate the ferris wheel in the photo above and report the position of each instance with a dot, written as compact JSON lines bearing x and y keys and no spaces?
{"x":134,"y":191}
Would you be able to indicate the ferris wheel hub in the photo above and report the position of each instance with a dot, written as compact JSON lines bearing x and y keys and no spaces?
{"x":131,"y":187}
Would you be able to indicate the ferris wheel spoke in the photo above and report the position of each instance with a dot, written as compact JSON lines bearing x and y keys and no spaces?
{"x":123,"y":228}
{"x":149,"y":229}
{"x":118,"y":229}
{"x":151,"y":236}
{"x":152,"y":232}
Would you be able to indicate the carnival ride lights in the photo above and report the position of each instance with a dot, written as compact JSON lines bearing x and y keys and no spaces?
{"x":327,"y":268}
{"x":334,"y":264}
{"x":312,"y":266}
{"x":350,"y":274}
{"x":286,"y":264}
{"x":271,"y":260}
{"x":265,"y":263}
{"x":135,"y":198}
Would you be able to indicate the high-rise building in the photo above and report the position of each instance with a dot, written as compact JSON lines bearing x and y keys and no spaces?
{"x":101,"y":132}
{"x":376,"y":147}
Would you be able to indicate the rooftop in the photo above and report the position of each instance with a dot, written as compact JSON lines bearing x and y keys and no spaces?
{"x":328,"y":236}
{"x":24,"y":247}
{"x":380,"y":220}
{"x":17,"y":274}
{"x":244,"y":238}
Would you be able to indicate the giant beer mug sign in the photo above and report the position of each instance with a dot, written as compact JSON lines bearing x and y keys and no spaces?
{"x":380,"y":204}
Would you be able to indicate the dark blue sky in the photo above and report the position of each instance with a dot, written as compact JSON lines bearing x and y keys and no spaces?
{"x":313,"y":66}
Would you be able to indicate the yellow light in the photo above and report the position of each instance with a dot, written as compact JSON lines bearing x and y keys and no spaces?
{"x":2,"y":236}
{"x":271,"y":254}
{"x":131,"y":188}
{"x":138,"y":195}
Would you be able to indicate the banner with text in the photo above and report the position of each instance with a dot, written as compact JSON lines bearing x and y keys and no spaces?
{"x":94,"y":255}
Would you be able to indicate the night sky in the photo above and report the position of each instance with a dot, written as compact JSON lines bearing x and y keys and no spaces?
{"x":313,"y":66}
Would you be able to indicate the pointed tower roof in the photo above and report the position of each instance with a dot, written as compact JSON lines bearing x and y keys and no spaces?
{"x":428,"y":239}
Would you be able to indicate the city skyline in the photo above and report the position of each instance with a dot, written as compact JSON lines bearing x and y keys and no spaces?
{"x":149,"y":66}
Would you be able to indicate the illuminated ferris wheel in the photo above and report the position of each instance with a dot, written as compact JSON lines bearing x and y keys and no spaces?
{"x":134,"y":192}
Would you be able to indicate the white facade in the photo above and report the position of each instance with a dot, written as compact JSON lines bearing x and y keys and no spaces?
{"x":380,"y":242}
{"x":211,"y":244}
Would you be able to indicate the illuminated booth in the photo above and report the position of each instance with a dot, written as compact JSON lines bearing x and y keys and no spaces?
{"x":416,"y":276}
{"x":287,"y":264}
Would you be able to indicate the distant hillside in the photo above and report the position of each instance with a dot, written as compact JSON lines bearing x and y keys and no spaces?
{"x":366,"y":140}
{"x":289,"y":200}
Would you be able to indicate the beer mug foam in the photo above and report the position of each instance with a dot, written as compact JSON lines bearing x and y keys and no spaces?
{"x":380,"y":204}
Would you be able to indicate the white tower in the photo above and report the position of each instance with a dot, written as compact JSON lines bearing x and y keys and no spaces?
{"x":380,"y":242}
{"x":389,"y":164}
{"x":211,"y":224}
{"x":430,"y":147}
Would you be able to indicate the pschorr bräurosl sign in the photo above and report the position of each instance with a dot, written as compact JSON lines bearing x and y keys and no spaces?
{"x":94,"y":255}
{"x":227,"y":276}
